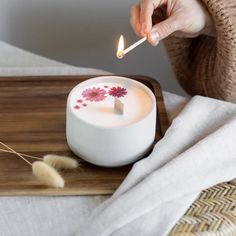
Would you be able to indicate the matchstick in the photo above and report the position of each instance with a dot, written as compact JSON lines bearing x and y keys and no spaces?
{"x":131,"y":47}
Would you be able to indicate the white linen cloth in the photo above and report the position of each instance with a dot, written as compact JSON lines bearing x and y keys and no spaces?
{"x":61,"y":215}
{"x":197,"y":152}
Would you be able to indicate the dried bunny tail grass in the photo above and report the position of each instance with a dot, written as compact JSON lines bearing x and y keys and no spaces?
{"x":47,"y":175}
{"x":60,"y":162}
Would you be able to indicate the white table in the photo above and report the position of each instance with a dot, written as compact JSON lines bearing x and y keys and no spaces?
{"x":25,"y":216}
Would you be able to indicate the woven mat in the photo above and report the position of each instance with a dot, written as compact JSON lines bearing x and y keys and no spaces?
{"x":212,"y":214}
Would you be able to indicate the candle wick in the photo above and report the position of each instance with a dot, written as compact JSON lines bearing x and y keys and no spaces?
{"x":118,"y":106}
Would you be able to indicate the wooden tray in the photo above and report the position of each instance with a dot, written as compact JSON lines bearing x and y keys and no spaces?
{"x":32,"y":121}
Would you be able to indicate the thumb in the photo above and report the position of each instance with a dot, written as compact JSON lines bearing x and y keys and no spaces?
{"x":162,"y":30}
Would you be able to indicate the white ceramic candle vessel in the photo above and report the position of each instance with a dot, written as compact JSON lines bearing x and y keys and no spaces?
{"x":106,"y":134}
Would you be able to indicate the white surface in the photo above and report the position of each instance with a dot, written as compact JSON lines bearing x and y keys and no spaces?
{"x":49,"y":216}
{"x":83,"y":33}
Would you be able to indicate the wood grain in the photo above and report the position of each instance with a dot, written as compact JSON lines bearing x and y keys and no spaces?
{"x":32,"y":121}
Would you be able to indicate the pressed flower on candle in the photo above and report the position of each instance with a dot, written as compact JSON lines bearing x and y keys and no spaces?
{"x":94,"y":94}
{"x":117,"y":92}
{"x":99,"y":94}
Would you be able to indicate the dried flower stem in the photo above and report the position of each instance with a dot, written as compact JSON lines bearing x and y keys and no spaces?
{"x":16,"y":153}
{"x":22,"y":154}
{"x":44,"y":172}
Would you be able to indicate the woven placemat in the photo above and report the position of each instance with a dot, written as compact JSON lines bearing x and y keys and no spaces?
{"x":212,"y":214}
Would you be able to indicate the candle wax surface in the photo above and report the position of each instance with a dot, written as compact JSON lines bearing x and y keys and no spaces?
{"x":95,"y":103}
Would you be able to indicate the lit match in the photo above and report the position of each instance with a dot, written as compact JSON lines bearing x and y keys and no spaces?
{"x":121,"y":51}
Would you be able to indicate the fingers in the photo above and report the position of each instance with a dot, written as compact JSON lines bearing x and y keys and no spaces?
{"x":135,"y":19}
{"x":141,"y":16}
{"x":163,"y":30}
{"x":141,"y":21}
{"x":146,"y":13}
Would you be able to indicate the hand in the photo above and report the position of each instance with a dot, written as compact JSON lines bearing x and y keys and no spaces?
{"x":157,"y":19}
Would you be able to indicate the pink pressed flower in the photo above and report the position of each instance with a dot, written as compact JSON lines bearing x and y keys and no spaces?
{"x":94,"y":94}
{"x":117,"y":92}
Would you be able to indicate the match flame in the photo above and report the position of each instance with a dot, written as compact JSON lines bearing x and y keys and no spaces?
{"x":120,"y":48}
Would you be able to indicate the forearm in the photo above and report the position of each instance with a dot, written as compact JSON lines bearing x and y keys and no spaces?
{"x":206,"y":65}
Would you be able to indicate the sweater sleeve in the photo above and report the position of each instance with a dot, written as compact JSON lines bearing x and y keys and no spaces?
{"x":207,"y":65}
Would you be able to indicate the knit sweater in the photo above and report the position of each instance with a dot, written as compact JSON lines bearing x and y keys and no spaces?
{"x":207,"y":65}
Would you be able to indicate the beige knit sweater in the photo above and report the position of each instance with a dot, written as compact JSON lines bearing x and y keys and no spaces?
{"x":207,"y":65}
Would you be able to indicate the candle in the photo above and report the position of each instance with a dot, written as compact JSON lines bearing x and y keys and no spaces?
{"x":111,"y":120}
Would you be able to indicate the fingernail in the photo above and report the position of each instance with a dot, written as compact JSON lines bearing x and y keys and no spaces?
{"x":143,"y":29}
{"x":154,"y":38}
